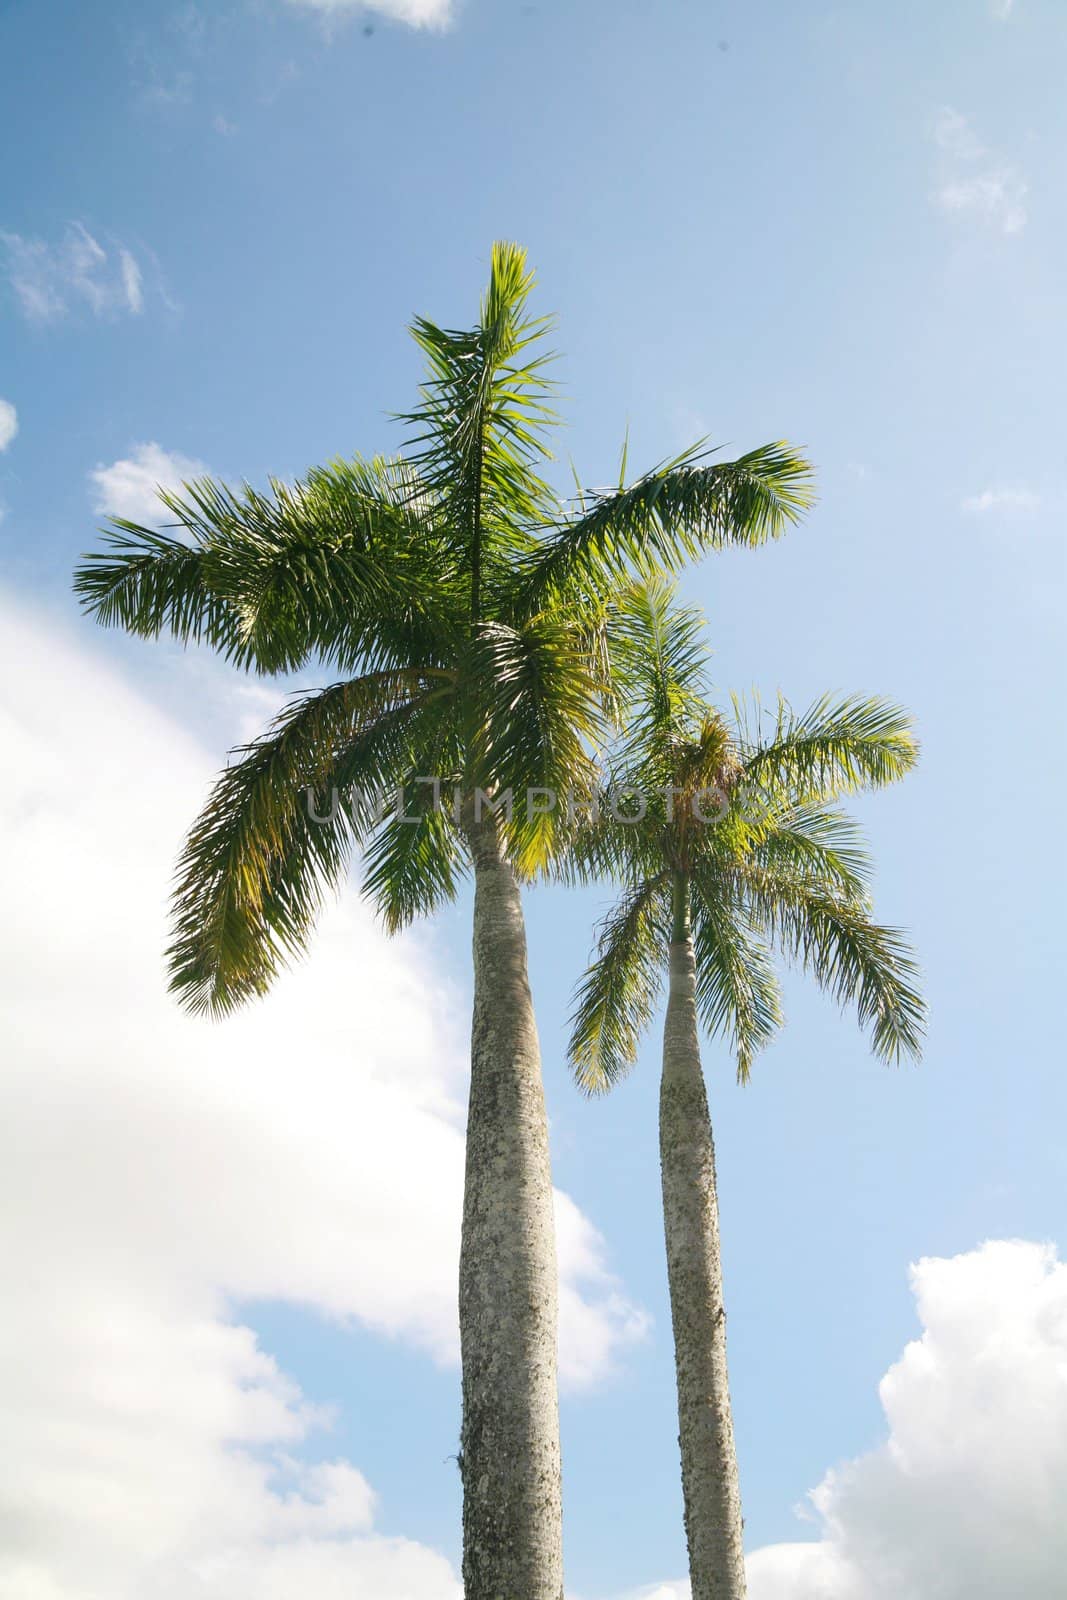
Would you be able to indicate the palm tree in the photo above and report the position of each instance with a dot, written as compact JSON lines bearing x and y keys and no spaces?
{"x":455,"y":603}
{"x":727,"y":845}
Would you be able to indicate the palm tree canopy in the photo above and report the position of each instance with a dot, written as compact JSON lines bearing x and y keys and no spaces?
{"x":731,"y":835}
{"x":455,"y":605}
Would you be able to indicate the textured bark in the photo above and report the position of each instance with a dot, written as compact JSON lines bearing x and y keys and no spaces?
{"x":710,"y":1484}
{"x":512,"y":1512}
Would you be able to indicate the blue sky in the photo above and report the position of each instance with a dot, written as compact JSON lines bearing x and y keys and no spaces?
{"x":840,"y":224}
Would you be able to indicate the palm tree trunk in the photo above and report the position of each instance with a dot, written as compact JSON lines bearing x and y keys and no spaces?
{"x":512,"y":1512}
{"x":710,"y":1484}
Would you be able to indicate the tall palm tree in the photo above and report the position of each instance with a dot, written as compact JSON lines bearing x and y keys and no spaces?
{"x":454,"y":602}
{"x":727,"y":846}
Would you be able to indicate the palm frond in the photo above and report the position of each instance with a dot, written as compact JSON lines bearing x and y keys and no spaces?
{"x":816,"y":842}
{"x":480,"y":428}
{"x":413,"y":863}
{"x":854,"y":959}
{"x":151,"y":583}
{"x":673,"y":514}
{"x":737,"y":992}
{"x":537,"y":704}
{"x":346,"y":565}
{"x":276,"y":833}
{"x":658,"y":657}
{"x":599,"y":846}
{"x":837,"y":745}
{"x":617,"y":996}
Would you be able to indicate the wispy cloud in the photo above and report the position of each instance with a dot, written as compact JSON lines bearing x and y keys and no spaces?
{"x":49,"y":280}
{"x":994,"y":197}
{"x":973,"y":181}
{"x":1003,"y":499}
{"x":954,"y":135}
{"x":164,"y":61}
{"x":416,"y":13}
{"x":131,"y":282}
{"x":129,"y":488}
{"x":9,"y":423}
{"x":1001,"y":9}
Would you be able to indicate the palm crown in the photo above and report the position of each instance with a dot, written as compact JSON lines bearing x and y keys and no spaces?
{"x":730,"y":837}
{"x":458,"y":606}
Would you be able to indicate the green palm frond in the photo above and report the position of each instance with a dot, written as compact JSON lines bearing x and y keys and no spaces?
{"x":598,"y":846}
{"x":346,"y":565}
{"x":672,"y":515}
{"x":617,"y":996}
{"x":835,"y":746}
{"x":857,"y":961}
{"x":539,"y":708}
{"x":414,"y":861}
{"x":592,"y":630}
{"x":658,"y":658}
{"x":480,"y":428}
{"x":257,"y":862}
{"x":737,"y":991}
{"x":816,"y":842}
{"x":151,"y":583}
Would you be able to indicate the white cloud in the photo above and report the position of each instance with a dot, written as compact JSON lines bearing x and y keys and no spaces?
{"x":954,"y":134}
{"x":967,"y":1499}
{"x":416,"y":13}
{"x":49,"y":279}
{"x":973,"y":183}
{"x":129,"y":487}
{"x":159,"y":1173}
{"x":131,"y":282}
{"x":1002,"y":499}
{"x":662,"y":1591}
{"x":9,"y":423}
{"x":994,"y":197}
{"x":1001,"y":9}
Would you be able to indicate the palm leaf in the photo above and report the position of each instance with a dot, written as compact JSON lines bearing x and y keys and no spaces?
{"x":658,"y":659}
{"x":672,"y":515}
{"x":618,"y":994}
{"x":737,"y":991}
{"x":538,"y":706}
{"x":272,"y":838}
{"x":836,"y":745}
{"x":816,"y":842}
{"x":480,"y":428}
{"x":346,"y":565}
{"x":854,"y":959}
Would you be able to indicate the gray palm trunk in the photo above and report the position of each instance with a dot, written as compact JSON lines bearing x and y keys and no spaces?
{"x":512,"y":1511}
{"x":710,"y":1485}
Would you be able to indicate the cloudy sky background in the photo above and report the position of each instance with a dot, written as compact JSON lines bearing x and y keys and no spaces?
{"x":228,"y":1361}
